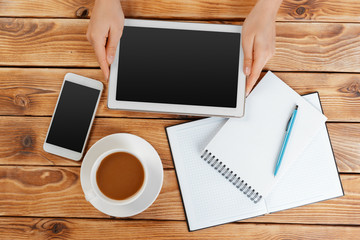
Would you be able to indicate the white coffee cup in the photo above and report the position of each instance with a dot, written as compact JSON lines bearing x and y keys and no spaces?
{"x":99,"y":195}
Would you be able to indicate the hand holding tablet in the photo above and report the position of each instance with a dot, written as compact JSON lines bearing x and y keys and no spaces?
{"x":104,"y":31}
{"x":107,"y":22}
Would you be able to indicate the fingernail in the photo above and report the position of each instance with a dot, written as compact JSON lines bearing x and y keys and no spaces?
{"x":110,"y":59}
{"x":247,"y":71}
{"x":106,"y":75}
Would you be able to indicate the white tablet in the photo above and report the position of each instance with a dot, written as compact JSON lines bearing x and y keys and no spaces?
{"x":181,"y":68}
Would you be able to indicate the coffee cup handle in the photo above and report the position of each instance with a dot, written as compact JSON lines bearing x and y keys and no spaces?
{"x":90,"y":196}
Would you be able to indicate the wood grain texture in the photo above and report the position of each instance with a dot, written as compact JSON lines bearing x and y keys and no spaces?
{"x":330,"y":47}
{"x":52,"y":8}
{"x":339,"y":93}
{"x":22,"y":138}
{"x":341,"y":146}
{"x":23,"y":144}
{"x":316,"y":47}
{"x":290,"y":10}
{"x":56,"y":192}
{"x":319,"y":10}
{"x":45,"y":42}
{"x":62,"y":228}
{"x":34,"y":91}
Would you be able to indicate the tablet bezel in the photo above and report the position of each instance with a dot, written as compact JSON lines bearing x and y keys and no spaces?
{"x":180,"y":108}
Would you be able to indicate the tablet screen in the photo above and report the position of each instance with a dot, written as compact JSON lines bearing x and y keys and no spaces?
{"x":189,"y":67}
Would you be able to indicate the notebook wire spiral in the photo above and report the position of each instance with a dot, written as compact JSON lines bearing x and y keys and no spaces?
{"x":232,"y":177}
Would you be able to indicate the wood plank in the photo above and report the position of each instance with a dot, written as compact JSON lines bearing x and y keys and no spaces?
{"x":22,"y":138}
{"x":330,"y":47}
{"x":34,"y":91}
{"x":51,"y":8}
{"x":339,"y":93}
{"x":62,"y":228}
{"x":341,"y":146}
{"x":290,"y":10}
{"x":56,"y":192}
{"x":45,"y":42}
{"x":317,"y":47}
{"x":319,"y":10}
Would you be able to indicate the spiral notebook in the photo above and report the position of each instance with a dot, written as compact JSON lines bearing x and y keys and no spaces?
{"x":210,"y":200}
{"x":246,"y":149}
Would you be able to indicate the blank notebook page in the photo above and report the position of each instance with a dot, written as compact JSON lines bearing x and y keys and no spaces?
{"x":250,"y":146}
{"x":209,"y":199}
{"x":312,"y":177}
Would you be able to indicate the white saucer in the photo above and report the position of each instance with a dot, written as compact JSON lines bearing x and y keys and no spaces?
{"x":143,"y":149}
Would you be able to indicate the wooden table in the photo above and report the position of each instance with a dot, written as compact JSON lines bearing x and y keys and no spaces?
{"x":317,"y":49}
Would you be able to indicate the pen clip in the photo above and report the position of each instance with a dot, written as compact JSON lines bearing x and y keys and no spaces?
{"x":292,"y":115}
{"x":287,"y":125}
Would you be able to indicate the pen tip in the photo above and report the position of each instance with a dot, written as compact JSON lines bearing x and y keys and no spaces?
{"x":296,"y":107}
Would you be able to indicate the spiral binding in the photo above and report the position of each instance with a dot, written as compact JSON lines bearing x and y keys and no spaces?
{"x":239,"y":183}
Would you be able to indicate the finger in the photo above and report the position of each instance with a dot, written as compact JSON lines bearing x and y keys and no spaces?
{"x":260,"y":60}
{"x":99,"y":49}
{"x":112,"y":42}
{"x":248,"y":46}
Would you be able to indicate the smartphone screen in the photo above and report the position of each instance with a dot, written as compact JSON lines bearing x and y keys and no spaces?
{"x":73,"y":116}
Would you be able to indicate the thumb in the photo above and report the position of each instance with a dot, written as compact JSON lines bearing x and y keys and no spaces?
{"x":112,"y":42}
{"x":248,"y":46}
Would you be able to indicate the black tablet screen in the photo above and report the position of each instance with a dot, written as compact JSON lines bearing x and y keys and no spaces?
{"x":178,"y":67}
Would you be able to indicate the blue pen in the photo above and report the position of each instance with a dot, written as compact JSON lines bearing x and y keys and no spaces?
{"x":286,"y":139}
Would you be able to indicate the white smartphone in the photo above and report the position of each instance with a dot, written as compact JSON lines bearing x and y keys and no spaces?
{"x":73,"y":116}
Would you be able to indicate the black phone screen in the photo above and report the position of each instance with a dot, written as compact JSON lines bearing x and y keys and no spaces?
{"x":73,"y":116}
{"x":175,"y":66}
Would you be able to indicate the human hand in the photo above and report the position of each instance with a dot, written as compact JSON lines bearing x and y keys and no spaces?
{"x":105,"y":30}
{"x":258,"y":39}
